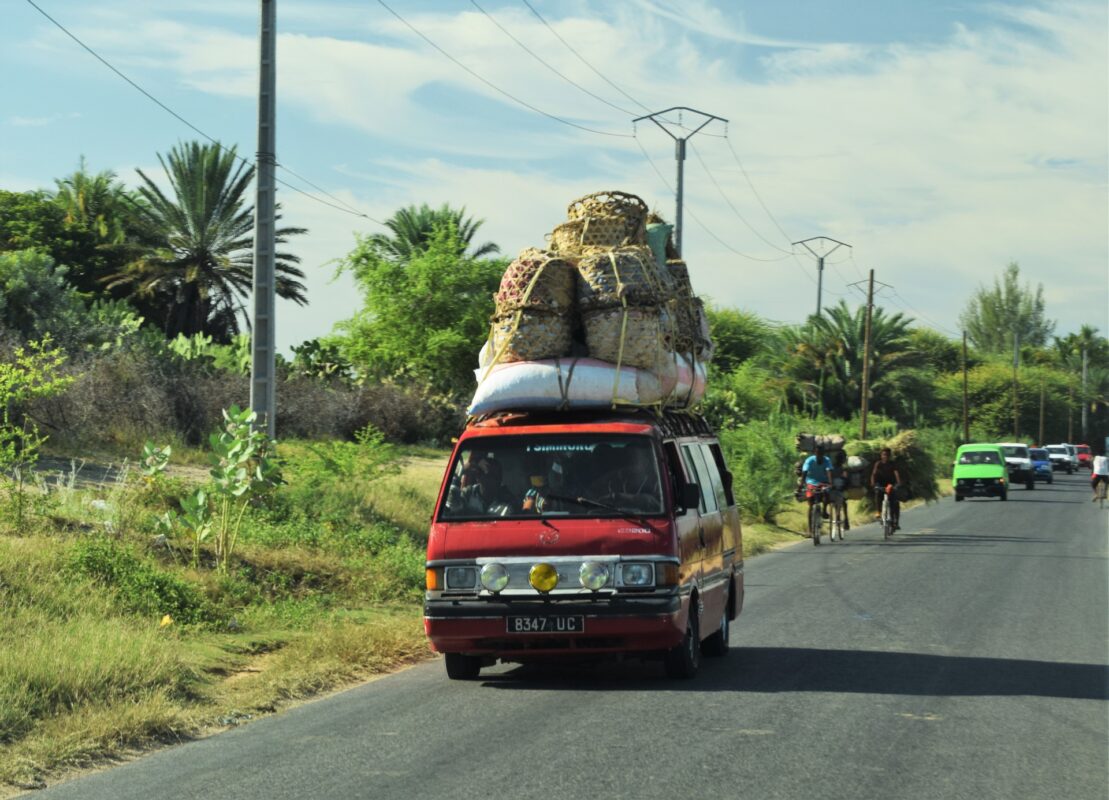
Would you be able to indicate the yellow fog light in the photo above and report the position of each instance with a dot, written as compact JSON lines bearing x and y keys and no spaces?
{"x":543,"y":577}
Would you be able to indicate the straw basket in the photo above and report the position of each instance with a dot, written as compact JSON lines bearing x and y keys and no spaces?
{"x":679,"y":275}
{"x":566,"y":238}
{"x":537,"y":280}
{"x":610,"y":219}
{"x":530,"y":335}
{"x":608,"y":278}
{"x":643,"y":332}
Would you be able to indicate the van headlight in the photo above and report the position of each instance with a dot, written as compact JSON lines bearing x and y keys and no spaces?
{"x":637,"y":574}
{"x":594,"y":575}
{"x":461,"y":577}
{"x":494,"y":577}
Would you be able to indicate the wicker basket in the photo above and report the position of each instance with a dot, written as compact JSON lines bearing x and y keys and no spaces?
{"x":565,"y":239}
{"x":679,"y":275}
{"x":643,"y":332}
{"x":530,"y":335}
{"x":609,"y":278}
{"x":537,"y":280}
{"x":610,"y":219}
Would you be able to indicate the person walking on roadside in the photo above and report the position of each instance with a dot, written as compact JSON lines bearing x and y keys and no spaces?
{"x":885,"y":473}
{"x":1100,"y":472}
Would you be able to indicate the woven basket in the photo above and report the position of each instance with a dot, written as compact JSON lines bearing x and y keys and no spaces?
{"x":537,"y":280}
{"x":643,"y":331}
{"x":610,"y":219}
{"x":679,"y":275}
{"x":608,"y":278}
{"x":530,"y":335}
{"x":566,"y":238}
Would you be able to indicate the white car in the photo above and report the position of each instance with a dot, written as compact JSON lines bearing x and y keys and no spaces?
{"x":1060,"y":458}
{"x":1019,"y":463}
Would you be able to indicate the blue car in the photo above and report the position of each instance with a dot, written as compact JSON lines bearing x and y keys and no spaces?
{"x":1041,"y":464}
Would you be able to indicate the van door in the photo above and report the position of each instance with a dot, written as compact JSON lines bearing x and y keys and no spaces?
{"x":687,"y":521}
{"x":714,"y":580}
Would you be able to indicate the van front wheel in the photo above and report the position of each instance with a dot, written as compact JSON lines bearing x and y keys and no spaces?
{"x":684,"y":659}
{"x":461,"y":667}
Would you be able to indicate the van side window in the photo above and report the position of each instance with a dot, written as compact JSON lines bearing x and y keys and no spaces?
{"x":695,"y":458}
{"x":718,"y":458}
{"x":677,"y":473}
{"x":714,"y":477}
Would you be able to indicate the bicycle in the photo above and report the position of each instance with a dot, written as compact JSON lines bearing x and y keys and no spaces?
{"x":816,"y":494}
{"x":838,"y":503}
{"x":886,"y":515}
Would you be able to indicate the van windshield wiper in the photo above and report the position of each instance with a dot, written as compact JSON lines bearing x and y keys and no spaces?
{"x":627,"y":513}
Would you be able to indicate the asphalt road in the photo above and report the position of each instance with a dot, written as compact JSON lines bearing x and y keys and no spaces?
{"x":965,"y":658}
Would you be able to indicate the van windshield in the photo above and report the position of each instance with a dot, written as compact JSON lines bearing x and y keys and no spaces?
{"x":1015,"y":451}
{"x":1038,"y":454}
{"x":556,"y":475}
{"x":979,"y":457}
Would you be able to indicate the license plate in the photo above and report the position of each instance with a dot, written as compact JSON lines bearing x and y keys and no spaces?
{"x":547,"y":624}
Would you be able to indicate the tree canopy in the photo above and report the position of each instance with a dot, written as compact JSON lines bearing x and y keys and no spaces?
{"x":994,"y":316}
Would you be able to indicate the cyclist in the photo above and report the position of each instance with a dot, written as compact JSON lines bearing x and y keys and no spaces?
{"x":885,"y":473}
{"x":817,"y":470}
{"x":839,"y":484}
{"x":1100,"y":472}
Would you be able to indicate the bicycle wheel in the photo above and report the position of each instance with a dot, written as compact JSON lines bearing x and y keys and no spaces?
{"x":887,"y":522}
{"x":814,"y":523}
{"x":835,"y":530}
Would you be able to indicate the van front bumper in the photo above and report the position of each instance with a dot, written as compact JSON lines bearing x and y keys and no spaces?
{"x":611,"y":625}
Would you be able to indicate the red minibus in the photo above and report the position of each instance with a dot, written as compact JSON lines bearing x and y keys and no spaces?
{"x":567,"y":533}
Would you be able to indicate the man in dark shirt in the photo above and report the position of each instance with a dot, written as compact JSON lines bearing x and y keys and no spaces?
{"x":885,"y":473}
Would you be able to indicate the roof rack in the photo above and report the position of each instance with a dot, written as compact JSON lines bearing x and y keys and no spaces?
{"x":671,"y":422}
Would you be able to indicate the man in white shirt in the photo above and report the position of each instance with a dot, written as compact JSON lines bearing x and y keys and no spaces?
{"x":1100,"y":472}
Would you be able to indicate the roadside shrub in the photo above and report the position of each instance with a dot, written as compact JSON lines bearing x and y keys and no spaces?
{"x":760,"y":455}
{"x":143,"y":588}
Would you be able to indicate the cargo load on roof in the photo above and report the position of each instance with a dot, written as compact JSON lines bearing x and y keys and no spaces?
{"x":604,"y":317}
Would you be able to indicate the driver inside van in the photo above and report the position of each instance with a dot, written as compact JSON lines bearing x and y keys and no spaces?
{"x":633,"y":478}
{"x":479,"y":489}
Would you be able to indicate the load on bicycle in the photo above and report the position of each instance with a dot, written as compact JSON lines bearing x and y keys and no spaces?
{"x":826,"y":478}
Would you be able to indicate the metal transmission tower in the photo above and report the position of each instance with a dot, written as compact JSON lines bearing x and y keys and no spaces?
{"x":263,"y":352}
{"x":679,"y":154}
{"x":820,"y":262}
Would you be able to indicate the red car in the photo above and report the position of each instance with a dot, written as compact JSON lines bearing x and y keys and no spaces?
{"x":581,"y":534}
{"x":1085,"y":457}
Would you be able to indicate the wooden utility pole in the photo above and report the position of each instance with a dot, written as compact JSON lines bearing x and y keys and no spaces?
{"x":966,"y":405}
{"x":1016,"y":404}
{"x":866,"y":352}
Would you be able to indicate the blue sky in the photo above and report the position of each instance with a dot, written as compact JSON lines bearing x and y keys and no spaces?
{"x":941,"y":139}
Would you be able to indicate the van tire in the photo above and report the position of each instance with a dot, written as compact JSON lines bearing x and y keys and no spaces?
{"x":958,"y":497}
{"x":462,"y":667}
{"x":684,"y":659}
{"x":716,"y":645}
{"x":1031,"y":484}
{"x":1004,"y":495}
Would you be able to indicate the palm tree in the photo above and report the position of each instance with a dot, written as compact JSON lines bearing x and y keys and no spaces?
{"x":828,"y":351}
{"x":412,"y":229}
{"x":97,"y":202}
{"x":197,"y":266}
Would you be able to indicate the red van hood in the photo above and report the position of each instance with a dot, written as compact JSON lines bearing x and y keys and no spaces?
{"x":551,"y":536}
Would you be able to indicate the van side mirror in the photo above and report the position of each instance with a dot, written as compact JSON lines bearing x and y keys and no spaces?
{"x":691,"y":495}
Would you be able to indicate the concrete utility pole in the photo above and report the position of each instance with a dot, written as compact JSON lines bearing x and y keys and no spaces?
{"x":679,"y":155}
{"x":820,"y":262}
{"x":866,"y":353}
{"x":1043,"y":390}
{"x":263,"y":399}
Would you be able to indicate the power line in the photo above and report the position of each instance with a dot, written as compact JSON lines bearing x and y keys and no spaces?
{"x":349,"y":209}
{"x":754,"y":191}
{"x":492,"y":85}
{"x":545,"y":63}
{"x":697,"y":219}
{"x":731,"y":205}
{"x":580,"y":58}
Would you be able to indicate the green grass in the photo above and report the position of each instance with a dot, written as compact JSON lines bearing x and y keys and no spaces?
{"x":110,"y":642}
